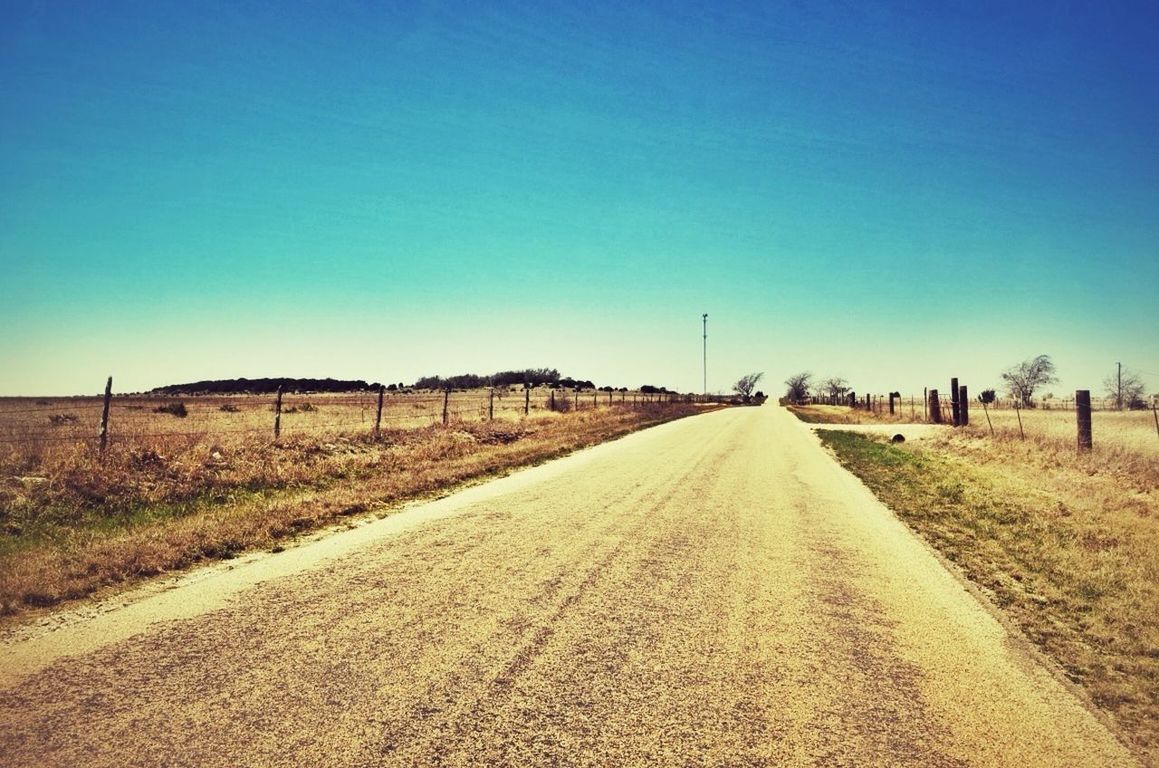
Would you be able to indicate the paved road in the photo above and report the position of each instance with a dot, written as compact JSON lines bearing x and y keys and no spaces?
{"x":714,"y":591}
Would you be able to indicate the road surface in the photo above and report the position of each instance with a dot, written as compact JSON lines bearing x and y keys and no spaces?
{"x":714,"y":591}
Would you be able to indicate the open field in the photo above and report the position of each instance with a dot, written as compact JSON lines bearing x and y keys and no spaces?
{"x":171,"y":491}
{"x":37,"y":424}
{"x":1066,"y":543}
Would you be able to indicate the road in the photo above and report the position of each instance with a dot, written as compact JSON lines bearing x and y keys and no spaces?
{"x":714,"y":591}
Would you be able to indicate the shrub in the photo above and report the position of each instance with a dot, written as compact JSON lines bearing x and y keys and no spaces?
{"x":177,"y":409}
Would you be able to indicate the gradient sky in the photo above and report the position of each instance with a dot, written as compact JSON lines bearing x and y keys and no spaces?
{"x":895,"y":194}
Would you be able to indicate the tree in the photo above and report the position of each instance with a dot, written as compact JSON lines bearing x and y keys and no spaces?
{"x":1126,"y":388}
{"x":1028,"y":376}
{"x":746,"y":384}
{"x":798,"y":386}
{"x":834,"y":388}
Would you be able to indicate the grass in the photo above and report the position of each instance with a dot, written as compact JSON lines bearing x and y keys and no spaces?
{"x":73,"y":522}
{"x":1067,"y":544}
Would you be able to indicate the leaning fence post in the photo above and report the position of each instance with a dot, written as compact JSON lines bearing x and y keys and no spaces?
{"x":1018,"y":413}
{"x":378,"y":415}
{"x":278,"y":414}
{"x":1082,"y":407}
{"x":105,"y":414}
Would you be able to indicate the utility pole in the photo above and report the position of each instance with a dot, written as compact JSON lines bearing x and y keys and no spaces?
{"x":705,"y":319}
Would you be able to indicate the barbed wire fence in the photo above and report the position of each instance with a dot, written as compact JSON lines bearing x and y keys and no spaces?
{"x":128,"y":418}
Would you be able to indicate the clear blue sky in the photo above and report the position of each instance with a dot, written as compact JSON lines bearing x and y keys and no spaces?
{"x":895,"y":194}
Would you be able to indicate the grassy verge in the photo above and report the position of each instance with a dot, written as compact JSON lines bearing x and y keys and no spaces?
{"x":87,"y":524}
{"x":1067,"y":545}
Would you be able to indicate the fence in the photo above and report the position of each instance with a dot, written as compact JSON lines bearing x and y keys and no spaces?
{"x":114,"y":419}
{"x":955,"y":407}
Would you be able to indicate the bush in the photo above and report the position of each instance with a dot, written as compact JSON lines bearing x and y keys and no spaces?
{"x":177,"y":409}
{"x":229,"y":408}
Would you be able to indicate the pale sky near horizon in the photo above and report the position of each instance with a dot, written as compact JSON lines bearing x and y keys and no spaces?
{"x":894,"y":193}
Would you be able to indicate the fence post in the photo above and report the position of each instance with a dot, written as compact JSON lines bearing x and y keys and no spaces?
{"x":105,"y":414}
{"x":963,"y":406}
{"x":446,"y":401}
{"x":955,"y":406}
{"x":491,"y":404}
{"x":1082,"y":407}
{"x":577,"y":398}
{"x":925,"y":404}
{"x":595,"y":394}
{"x":935,"y":407}
{"x":278,"y":414}
{"x":378,"y":414}
{"x":526,"y":399}
{"x":1018,"y":413}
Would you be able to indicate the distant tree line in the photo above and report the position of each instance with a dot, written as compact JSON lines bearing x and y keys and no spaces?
{"x":263,"y":386}
{"x":534,"y":377}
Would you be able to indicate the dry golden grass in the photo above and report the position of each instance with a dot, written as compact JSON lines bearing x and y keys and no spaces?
{"x":1066,"y":542}
{"x":72,"y":521}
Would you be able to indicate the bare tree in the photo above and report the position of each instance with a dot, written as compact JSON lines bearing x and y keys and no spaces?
{"x":834,"y":388}
{"x":1028,"y":376}
{"x":798,"y":386}
{"x":1127,"y":389}
{"x":746,"y":384}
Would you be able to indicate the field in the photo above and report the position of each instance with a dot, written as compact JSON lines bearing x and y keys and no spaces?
{"x":1067,"y":543}
{"x":172,"y":490}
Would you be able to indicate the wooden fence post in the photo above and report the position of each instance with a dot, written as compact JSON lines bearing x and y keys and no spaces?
{"x":491,"y":404}
{"x":278,"y":414}
{"x":105,"y":414}
{"x":378,"y":414}
{"x":526,"y":399}
{"x":955,"y":406}
{"x":963,"y":407}
{"x":925,"y":404}
{"x":553,"y":399}
{"x":935,"y":407}
{"x":1082,"y":407}
{"x":1018,"y":413}
{"x":577,"y":398}
{"x":446,"y":402}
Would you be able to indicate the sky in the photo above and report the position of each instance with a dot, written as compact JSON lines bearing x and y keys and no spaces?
{"x":892,"y":193}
